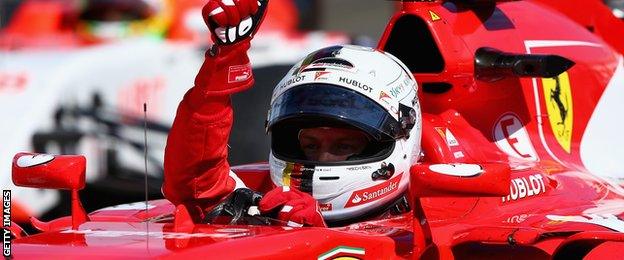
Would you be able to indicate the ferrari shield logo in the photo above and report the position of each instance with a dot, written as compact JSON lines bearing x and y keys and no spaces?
{"x":558,"y":97}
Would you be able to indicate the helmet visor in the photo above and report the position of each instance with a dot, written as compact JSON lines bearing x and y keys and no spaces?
{"x":336,"y":104}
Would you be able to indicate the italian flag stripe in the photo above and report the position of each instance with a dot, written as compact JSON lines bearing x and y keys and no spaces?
{"x":342,"y":249}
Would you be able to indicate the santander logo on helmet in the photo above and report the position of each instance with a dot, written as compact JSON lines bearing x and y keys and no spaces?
{"x":374,"y":193}
{"x":354,"y":87}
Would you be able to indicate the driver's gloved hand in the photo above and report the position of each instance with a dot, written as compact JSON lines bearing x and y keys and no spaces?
{"x":233,"y":21}
{"x":235,"y":209}
{"x":232,"y":25}
{"x":293,"y":206}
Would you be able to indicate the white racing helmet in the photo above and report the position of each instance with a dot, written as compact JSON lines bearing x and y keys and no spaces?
{"x":351,"y":87}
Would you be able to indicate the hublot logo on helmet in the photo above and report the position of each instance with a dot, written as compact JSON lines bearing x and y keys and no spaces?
{"x":356,"y":83}
{"x":292,"y":81}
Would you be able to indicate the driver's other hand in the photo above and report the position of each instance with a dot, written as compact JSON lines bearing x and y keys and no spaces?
{"x":295,"y":207}
{"x":231,"y":21}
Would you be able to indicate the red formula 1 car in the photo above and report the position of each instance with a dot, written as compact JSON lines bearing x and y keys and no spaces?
{"x":521,"y":142}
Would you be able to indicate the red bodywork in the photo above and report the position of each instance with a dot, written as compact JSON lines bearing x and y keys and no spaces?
{"x":555,"y":206}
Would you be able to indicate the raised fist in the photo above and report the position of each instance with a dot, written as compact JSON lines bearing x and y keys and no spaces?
{"x":231,"y":21}
{"x":295,"y":207}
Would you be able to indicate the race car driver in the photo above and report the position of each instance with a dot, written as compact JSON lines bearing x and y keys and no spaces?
{"x":344,"y":125}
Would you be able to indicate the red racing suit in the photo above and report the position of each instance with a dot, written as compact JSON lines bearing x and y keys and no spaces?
{"x":197,"y":172}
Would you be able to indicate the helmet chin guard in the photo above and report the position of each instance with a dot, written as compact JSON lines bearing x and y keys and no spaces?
{"x":351,"y":87}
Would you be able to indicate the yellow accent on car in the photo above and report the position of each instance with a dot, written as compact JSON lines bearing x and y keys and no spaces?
{"x":558,"y":100}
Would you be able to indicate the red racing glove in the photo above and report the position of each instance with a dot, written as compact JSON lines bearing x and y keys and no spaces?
{"x":232,"y":24}
{"x":296,"y":207}
{"x":232,"y":21}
